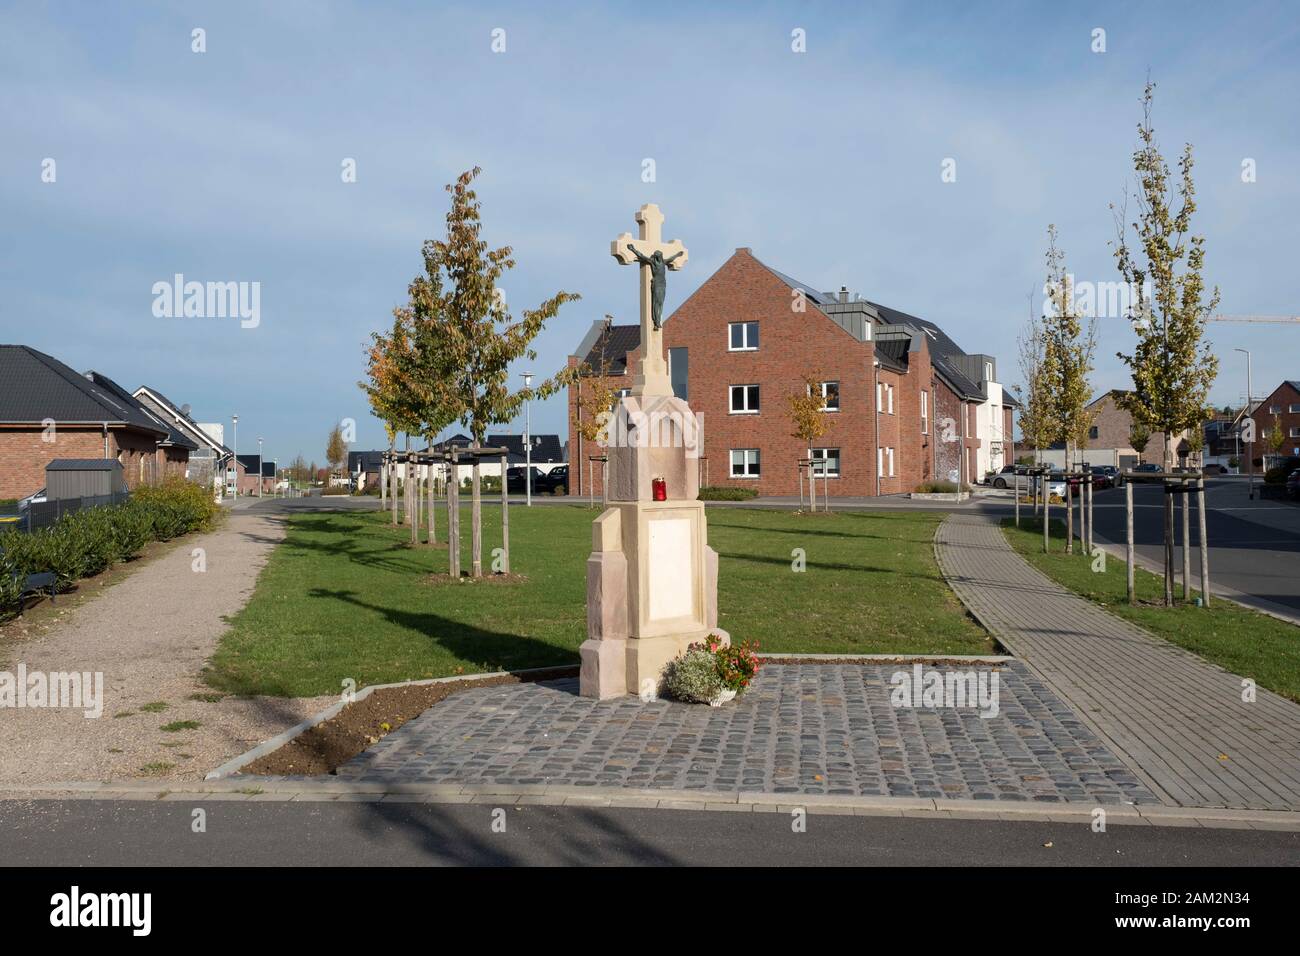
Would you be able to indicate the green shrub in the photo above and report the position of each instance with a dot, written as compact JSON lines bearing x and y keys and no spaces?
{"x":11,"y":585}
{"x":177,"y":507}
{"x":938,"y":488}
{"x":132,"y":529}
{"x":718,"y":493}
{"x":693,"y":677}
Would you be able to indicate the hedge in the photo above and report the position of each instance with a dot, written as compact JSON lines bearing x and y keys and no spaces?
{"x":719,"y":493}
{"x":85,"y":543}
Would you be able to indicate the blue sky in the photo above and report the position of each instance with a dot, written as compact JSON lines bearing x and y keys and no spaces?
{"x":225,"y":166}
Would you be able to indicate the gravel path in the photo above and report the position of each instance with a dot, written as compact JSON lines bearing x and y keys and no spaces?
{"x":150,"y":636}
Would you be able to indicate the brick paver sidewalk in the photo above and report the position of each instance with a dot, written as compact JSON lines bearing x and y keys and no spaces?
{"x":1176,"y":719}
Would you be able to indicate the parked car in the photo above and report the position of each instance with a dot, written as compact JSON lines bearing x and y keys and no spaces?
{"x":517,"y":482}
{"x":557,"y":480}
{"x":1293,"y":484}
{"x":1104,"y":476}
{"x":1147,"y":467}
{"x":35,"y":498}
{"x":1214,"y":470}
{"x":1004,"y":478}
{"x":1055,"y":486}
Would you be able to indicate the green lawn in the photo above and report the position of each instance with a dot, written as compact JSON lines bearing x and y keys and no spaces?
{"x":1243,"y":641}
{"x":345,"y":597}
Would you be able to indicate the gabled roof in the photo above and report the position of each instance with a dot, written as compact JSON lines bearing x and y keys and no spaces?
{"x":367,"y":461}
{"x":182,"y":421}
{"x":546,"y":448}
{"x":35,"y":387}
{"x":250,"y":465}
{"x":611,"y":346}
{"x":174,"y":437}
{"x":893,"y":352}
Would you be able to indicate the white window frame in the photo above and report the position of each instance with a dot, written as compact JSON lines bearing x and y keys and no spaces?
{"x":744,"y":336}
{"x":889,"y":394}
{"x":820,"y":455}
{"x":745,"y":463}
{"x":744,"y":393}
{"x":822,"y":386}
{"x":890,"y":455}
{"x":1293,"y":409}
{"x":925,"y":412}
{"x":880,"y":461}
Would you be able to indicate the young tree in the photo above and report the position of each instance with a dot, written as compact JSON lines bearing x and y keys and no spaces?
{"x":1139,"y":436}
{"x":336,"y":449}
{"x":393,"y":387}
{"x":475,"y":337}
{"x":594,"y":407}
{"x":808,"y":418}
{"x":1171,"y":364}
{"x":1276,"y":438}
{"x":1068,"y":355}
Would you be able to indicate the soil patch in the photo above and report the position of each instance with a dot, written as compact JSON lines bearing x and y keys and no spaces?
{"x":336,"y":741}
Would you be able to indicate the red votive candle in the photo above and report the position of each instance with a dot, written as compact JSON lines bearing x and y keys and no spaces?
{"x":660,"y":488}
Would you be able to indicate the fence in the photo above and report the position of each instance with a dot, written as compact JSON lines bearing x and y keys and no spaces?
{"x":42,"y":514}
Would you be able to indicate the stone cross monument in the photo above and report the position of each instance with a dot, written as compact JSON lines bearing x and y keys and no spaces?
{"x":652,"y":579}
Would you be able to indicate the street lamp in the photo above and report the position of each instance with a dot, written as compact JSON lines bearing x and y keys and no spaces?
{"x":528,"y":445}
{"x":234,"y":453}
{"x":261,"y":470}
{"x":1250,"y":442}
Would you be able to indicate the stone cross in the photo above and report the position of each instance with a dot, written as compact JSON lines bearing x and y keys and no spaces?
{"x":652,"y":379}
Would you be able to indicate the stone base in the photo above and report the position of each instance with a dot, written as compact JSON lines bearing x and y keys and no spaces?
{"x":615,"y":668}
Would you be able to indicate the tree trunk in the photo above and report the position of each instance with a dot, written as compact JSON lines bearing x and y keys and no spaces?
{"x":1205,"y":552}
{"x":1047,"y":515}
{"x":1169,"y":525}
{"x":413,"y":500}
{"x":453,"y":518}
{"x":505,"y":521}
{"x":391,"y":468}
{"x":1128,"y":549}
{"x":433,"y":502}
{"x":1186,"y":489}
{"x":476,"y":520}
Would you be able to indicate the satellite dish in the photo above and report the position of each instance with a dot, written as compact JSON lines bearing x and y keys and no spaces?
{"x":185,"y":410}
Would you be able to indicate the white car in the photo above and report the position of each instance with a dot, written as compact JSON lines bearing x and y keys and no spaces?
{"x":35,"y":498}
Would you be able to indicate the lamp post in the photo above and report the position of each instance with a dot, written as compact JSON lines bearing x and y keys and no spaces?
{"x":528,"y":445}
{"x":1250,"y":441}
{"x":234,"y":453}
{"x":261,"y":469}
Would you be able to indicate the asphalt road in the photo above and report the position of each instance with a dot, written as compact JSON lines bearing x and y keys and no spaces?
{"x":143,"y":833}
{"x":1254,"y":545}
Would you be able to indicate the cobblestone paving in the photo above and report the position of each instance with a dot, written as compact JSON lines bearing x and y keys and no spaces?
{"x":801,"y":729}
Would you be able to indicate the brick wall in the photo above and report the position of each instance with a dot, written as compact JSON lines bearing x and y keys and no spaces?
{"x":791,"y":345}
{"x":24,"y":454}
{"x":1282,"y":398}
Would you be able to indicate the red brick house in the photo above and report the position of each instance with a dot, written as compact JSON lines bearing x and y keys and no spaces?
{"x":1282,"y":404}
{"x":903,"y":401}
{"x":49,"y":411}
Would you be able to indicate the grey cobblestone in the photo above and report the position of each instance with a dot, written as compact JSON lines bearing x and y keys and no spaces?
{"x":802,"y":729}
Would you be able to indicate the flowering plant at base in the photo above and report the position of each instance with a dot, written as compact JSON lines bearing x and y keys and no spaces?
{"x":709,"y":673}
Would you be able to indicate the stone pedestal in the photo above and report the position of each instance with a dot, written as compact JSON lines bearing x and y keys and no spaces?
{"x":652,"y":579}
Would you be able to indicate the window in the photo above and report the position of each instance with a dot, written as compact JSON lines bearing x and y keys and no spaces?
{"x":826,"y":462}
{"x":1293,"y":409}
{"x":889,"y":395}
{"x":1295,"y":433}
{"x":1274,"y":409}
{"x":884,"y":398}
{"x":744,"y":463}
{"x":830,"y":396}
{"x":1092,"y":432}
{"x":744,"y":399}
{"x":925,"y":413}
{"x":988,"y":371}
{"x":743,"y":336}
{"x":889,"y":456}
{"x":679,"y":372}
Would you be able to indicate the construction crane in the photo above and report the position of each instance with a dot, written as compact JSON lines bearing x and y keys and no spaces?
{"x":1271,"y":319}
